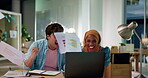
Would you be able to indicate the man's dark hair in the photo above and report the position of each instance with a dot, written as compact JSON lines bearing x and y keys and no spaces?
{"x":53,"y":27}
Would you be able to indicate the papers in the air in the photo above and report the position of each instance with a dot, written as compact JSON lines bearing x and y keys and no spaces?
{"x":68,"y":42}
{"x":1,"y":15}
{"x":44,"y":72}
{"x":15,"y":73}
{"x":11,"y":53}
{"x":61,"y":41}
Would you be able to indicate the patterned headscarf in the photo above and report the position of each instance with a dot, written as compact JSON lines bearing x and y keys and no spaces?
{"x":98,"y":37}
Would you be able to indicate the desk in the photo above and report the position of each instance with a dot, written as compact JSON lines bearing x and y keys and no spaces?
{"x":136,"y":55}
{"x":40,"y":76}
{"x":56,"y":76}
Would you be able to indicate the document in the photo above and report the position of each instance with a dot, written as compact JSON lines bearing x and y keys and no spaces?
{"x":16,"y":73}
{"x":61,"y":41}
{"x":68,"y":42}
{"x":44,"y":72}
{"x":1,"y":15}
{"x":72,"y":43}
{"x":11,"y":53}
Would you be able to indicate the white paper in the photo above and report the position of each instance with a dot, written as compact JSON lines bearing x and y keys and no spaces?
{"x":1,"y":15}
{"x":37,"y":71}
{"x":68,"y":42}
{"x":13,"y":34}
{"x":11,"y":53}
{"x":72,"y":43}
{"x":15,"y":73}
{"x":61,"y":41}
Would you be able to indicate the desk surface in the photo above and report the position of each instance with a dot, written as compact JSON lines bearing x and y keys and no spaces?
{"x":56,"y":76}
{"x":40,"y":76}
{"x":145,"y":52}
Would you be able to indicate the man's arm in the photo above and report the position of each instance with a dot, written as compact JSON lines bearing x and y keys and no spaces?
{"x":30,"y":60}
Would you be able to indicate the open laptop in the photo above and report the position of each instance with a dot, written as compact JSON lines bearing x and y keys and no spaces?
{"x":84,"y":64}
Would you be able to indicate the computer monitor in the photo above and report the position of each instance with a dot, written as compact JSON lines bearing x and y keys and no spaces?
{"x":84,"y":64}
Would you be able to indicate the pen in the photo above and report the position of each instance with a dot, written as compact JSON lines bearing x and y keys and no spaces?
{"x":42,"y":72}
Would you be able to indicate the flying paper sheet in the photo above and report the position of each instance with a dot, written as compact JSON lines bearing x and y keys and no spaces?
{"x":68,"y":42}
{"x":1,"y":15}
{"x":11,"y":53}
{"x":61,"y":41}
{"x":72,"y":43}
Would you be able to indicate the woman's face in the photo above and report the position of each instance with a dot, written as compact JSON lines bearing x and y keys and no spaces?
{"x":52,"y":42}
{"x":91,"y":43}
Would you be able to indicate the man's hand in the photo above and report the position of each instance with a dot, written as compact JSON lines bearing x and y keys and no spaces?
{"x":29,"y":61}
{"x":35,"y":50}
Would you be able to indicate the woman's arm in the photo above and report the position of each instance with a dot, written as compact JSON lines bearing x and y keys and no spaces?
{"x":107,"y":71}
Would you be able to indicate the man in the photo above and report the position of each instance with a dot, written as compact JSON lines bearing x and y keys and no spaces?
{"x":44,"y":54}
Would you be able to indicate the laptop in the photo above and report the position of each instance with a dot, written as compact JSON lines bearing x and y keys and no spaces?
{"x":84,"y":64}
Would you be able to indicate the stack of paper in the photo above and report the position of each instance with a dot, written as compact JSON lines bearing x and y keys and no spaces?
{"x":16,"y":73}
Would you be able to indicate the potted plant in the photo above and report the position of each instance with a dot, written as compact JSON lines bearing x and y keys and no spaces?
{"x":122,"y":47}
{"x":26,"y":38}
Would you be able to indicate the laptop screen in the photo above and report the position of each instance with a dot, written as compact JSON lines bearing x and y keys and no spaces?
{"x":84,"y":64}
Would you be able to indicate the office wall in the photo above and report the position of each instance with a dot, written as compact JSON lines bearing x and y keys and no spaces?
{"x":79,"y":14}
{"x":102,"y":15}
{"x":29,"y":16}
{"x":16,"y":6}
{"x":96,"y":8}
{"x":64,"y":12}
{"x":83,"y":18}
{"x":27,"y":10}
{"x":113,"y":16}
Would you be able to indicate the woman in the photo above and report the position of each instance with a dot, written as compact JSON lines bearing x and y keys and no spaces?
{"x":91,"y":42}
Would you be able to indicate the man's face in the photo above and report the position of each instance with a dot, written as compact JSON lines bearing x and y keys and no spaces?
{"x":52,"y":42}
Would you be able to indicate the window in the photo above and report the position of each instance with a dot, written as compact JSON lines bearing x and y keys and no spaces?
{"x":137,"y":10}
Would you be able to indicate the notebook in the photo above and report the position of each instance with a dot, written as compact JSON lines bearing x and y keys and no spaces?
{"x":44,"y":72}
{"x":84,"y":64}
